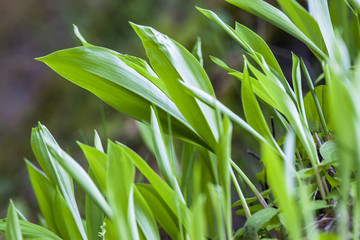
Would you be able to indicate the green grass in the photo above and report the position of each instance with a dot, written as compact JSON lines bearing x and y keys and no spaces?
{"x":311,"y":172}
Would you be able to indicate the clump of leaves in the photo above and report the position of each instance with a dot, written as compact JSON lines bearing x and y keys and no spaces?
{"x":312,"y":171}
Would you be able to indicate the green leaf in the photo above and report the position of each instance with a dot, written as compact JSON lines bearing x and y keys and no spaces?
{"x":188,"y":157}
{"x":45,"y":193}
{"x":285,"y":105}
{"x":97,"y":161}
{"x":174,"y":64}
{"x":80,"y":37}
{"x":311,"y":110}
{"x":297,"y":85}
{"x":65,"y":221}
{"x":303,"y":20}
{"x":265,"y":194}
{"x":80,"y":176}
{"x":97,"y":142}
{"x":258,"y":221}
{"x":102,"y":72}
{"x":197,"y":52}
{"x":120,"y":176}
{"x":249,"y":41}
{"x":163,"y":214}
{"x":145,"y":217}
{"x":259,"y":46}
{"x":31,"y":231}
{"x":273,"y":15}
{"x":329,"y":151}
{"x":198,"y":219}
{"x":285,"y":199}
{"x":13,"y":230}
{"x":213,"y":102}
{"x":165,"y":163}
{"x":41,"y":140}
{"x":162,"y":189}
{"x":253,"y":113}
{"x":223,"y":154}
{"x":146,"y":135}
{"x":143,"y":68}
{"x":320,"y":11}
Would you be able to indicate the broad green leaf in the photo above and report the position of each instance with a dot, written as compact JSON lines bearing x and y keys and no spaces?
{"x":285,"y":201}
{"x":162,"y":213}
{"x":145,"y":217}
{"x":320,"y":11}
{"x":97,"y":162}
{"x":303,"y":20}
{"x":45,"y":193}
{"x":120,"y":174}
{"x":102,"y":72}
{"x":311,"y":110}
{"x":31,"y":231}
{"x":13,"y":230}
{"x":273,"y":15}
{"x":174,"y":64}
{"x":143,"y":68}
{"x":41,"y":140}
{"x":329,"y":151}
{"x":253,"y":113}
{"x":68,"y":228}
{"x":258,"y":221}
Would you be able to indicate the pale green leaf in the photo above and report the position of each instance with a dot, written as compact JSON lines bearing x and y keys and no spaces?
{"x":120,"y":174}
{"x":174,"y":64}
{"x":13,"y":230}
{"x":31,"y":231}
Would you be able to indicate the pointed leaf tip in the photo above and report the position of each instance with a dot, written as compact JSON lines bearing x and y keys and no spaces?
{"x":79,"y":36}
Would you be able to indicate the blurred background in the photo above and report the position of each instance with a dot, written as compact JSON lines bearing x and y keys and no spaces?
{"x":31,"y":92}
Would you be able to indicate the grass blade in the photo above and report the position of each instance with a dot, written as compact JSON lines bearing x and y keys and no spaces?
{"x":120,"y":176}
{"x":13,"y":230}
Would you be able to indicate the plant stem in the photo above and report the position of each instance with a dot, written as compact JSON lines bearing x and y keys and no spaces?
{"x":250,"y":184}
{"x":241,"y":195}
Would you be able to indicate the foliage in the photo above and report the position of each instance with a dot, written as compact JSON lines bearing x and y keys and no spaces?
{"x":311,"y":193}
